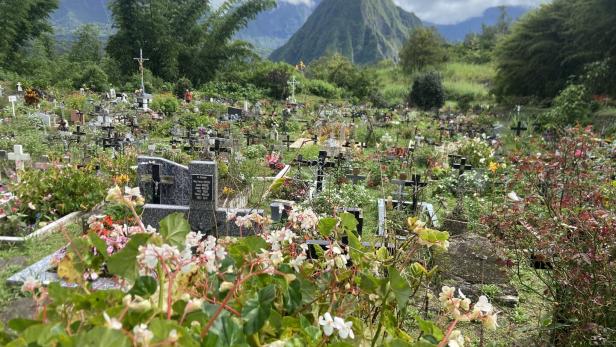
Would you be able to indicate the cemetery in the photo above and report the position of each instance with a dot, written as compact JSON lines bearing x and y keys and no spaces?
{"x":178,"y":188}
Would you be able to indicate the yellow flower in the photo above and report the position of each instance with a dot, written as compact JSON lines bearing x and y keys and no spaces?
{"x":121,"y":179}
{"x":493,"y":167}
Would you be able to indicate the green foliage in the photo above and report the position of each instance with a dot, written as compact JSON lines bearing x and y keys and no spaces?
{"x":232,"y":90}
{"x":197,"y":39}
{"x":181,"y":86}
{"x":424,"y":48}
{"x":427,"y":92}
{"x":323,"y":89}
{"x":87,"y":47}
{"x":346,"y":195}
{"x":56,"y":192}
{"x":570,"y":107}
{"x":165,"y":103}
{"x":273,"y":77}
{"x":93,"y":78}
{"x":340,"y":71}
{"x":553,"y":44}
{"x":22,"y":21}
{"x":255,"y":151}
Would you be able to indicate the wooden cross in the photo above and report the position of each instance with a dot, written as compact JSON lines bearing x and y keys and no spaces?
{"x":519,"y":128}
{"x":19,"y":157}
{"x":140,"y":61}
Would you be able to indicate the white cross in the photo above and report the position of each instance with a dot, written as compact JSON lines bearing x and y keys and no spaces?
{"x":19,"y":89}
{"x":12,"y":100}
{"x":293,"y":83}
{"x":1,"y":90}
{"x":19,"y":157}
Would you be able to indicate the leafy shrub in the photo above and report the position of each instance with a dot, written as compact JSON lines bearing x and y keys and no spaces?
{"x":476,"y":152}
{"x":346,"y":195}
{"x":571,"y":106}
{"x":323,"y":89}
{"x":58,"y":191}
{"x":255,"y":151}
{"x":181,"y":86}
{"x":427,"y":92}
{"x":165,"y":103}
{"x":93,"y":78}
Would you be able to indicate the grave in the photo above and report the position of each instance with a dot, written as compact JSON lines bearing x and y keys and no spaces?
{"x":169,"y":187}
{"x":19,"y":157}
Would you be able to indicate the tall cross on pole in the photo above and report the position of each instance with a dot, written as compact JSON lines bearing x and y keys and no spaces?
{"x":293,"y":83}
{"x":141,"y":60}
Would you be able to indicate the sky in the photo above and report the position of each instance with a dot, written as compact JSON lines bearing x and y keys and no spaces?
{"x":454,"y":11}
{"x":448,"y":11}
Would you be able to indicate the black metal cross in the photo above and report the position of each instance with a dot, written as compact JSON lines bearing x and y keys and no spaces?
{"x":157,"y":181}
{"x":519,"y":128}
{"x":462,"y":166}
{"x":417,"y":184}
{"x":217,"y":148}
{"x":322,"y":164}
{"x":355,"y":177}
{"x":78,"y":133}
{"x":287,"y":141}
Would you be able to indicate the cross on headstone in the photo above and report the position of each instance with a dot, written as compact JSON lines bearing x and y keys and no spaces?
{"x":157,"y":182}
{"x":19,"y":87}
{"x":519,"y":128}
{"x":19,"y":157}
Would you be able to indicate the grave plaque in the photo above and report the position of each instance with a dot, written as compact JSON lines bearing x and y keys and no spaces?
{"x":202,"y":187}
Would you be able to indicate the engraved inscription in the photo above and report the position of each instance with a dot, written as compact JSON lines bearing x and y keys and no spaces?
{"x":203,"y":187}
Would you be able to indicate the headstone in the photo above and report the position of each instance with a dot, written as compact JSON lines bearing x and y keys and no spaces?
{"x":194,"y":192}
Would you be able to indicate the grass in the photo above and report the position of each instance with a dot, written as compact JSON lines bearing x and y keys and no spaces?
{"x":33,"y":250}
{"x":458,"y":79}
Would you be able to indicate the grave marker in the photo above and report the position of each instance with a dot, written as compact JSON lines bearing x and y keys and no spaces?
{"x":19,"y":157}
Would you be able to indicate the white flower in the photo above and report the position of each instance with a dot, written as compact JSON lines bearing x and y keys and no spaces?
{"x":297,"y":262}
{"x":112,"y":323}
{"x":456,"y":339}
{"x":514,"y":197}
{"x":173,"y":336}
{"x":344,"y":328}
{"x":114,"y":195}
{"x":193,"y":305}
{"x":483,"y":305}
{"x":276,"y":257}
{"x":30,"y":285}
{"x":143,"y":336}
{"x":327,"y":322}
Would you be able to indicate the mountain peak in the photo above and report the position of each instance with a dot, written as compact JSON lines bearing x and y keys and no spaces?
{"x":365,"y":31}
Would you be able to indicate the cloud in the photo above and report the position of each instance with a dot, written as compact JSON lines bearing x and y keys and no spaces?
{"x":455,"y":11}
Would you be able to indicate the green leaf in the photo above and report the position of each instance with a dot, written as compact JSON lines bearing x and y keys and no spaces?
{"x":400,"y":286}
{"x":102,"y":337}
{"x":292,"y":296}
{"x":20,"y":324}
{"x":99,"y":244}
{"x":124,"y":263}
{"x":348,"y":222}
{"x":145,"y":286}
{"x":174,"y":229}
{"x":311,"y":331}
{"x":429,"y":328}
{"x":326,"y":226}
{"x":227,"y":333}
{"x":355,"y":247}
{"x":257,"y":309}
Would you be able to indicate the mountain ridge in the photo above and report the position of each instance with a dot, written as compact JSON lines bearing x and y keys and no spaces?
{"x":366,"y":31}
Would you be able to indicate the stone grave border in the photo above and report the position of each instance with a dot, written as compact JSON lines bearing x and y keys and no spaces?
{"x":46,"y":230}
{"x":423,"y":206}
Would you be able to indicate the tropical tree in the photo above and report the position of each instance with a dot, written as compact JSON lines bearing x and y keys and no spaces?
{"x":180,"y":37}
{"x":425,"y":47}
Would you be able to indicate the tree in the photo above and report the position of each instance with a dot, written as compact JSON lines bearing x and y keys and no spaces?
{"x":555,"y":44}
{"x":87,"y":47}
{"x":22,"y":21}
{"x":424,"y":47}
{"x":180,"y":37}
{"x":427,"y":92}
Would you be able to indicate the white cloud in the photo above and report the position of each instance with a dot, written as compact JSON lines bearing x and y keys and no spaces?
{"x":455,"y":11}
